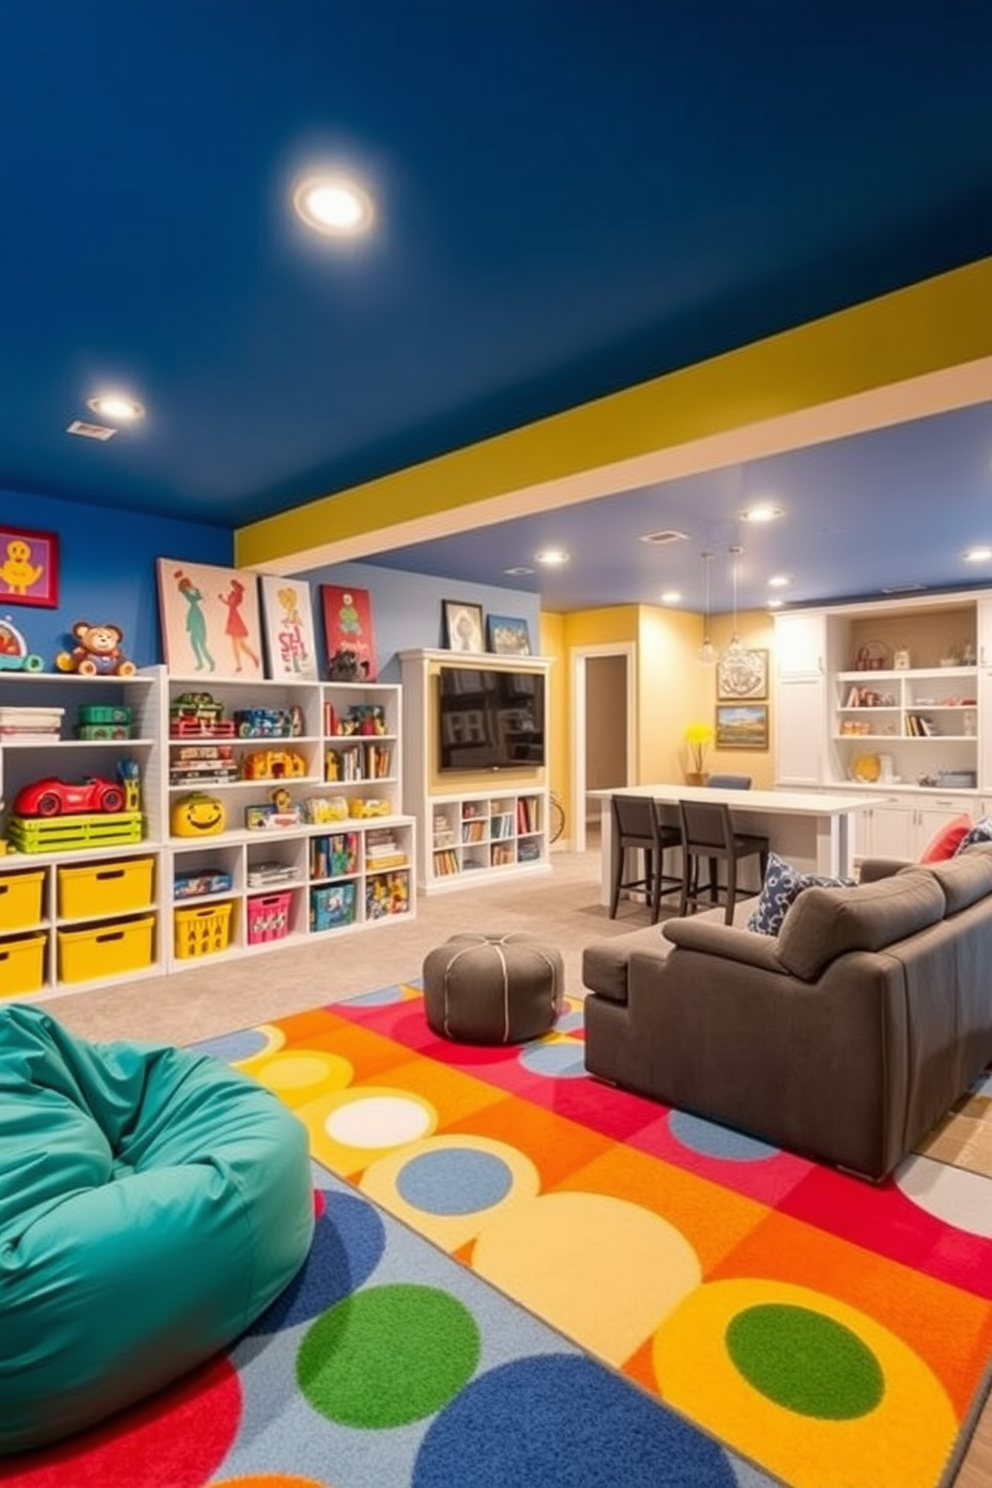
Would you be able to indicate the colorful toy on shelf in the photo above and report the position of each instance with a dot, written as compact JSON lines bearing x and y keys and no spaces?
{"x":199,"y":715}
{"x":14,"y":653}
{"x":270,"y":723}
{"x":97,"y":652}
{"x":198,"y":815}
{"x":54,"y":797}
{"x":273,"y":764}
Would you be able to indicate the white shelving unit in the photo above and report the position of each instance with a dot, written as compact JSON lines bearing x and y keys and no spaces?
{"x":474,"y":826}
{"x":346,"y":864}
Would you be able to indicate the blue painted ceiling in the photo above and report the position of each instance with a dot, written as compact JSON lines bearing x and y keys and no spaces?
{"x":572,"y":196}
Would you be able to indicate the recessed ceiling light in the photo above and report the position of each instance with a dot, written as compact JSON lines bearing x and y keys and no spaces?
{"x":90,"y":431}
{"x":333,"y":205}
{"x":775,"y":604}
{"x":779,"y":581}
{"x":671,"y":596}
{"x":519,"y":571}
{"x":116,"y":406}
{"x":551,"y":557}
{"x":764,"y":512}
{"x":978,"y":555}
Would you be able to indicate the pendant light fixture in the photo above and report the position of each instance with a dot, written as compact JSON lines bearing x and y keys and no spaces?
{"x":734,"y":646}
{"x":707,"y":651}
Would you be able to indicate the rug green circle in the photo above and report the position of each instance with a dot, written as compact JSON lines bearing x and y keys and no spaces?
{"x":805,"y":1361}
{"x":387,"y":1356}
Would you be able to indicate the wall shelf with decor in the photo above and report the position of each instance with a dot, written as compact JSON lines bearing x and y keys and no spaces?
{"x":478,"y":822}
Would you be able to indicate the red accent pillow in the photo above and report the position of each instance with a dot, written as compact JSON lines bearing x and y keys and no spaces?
{"x":947,"y":841}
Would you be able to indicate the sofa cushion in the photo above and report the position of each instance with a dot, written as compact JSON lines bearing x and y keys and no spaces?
{"x":781,"y":887}
{"x":945,"y":843}
{"x":980,"y":832}
{"x":964,"y":879}
{"x":823,"y":923}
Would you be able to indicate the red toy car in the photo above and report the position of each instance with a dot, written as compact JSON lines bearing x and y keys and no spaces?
{"x":53,"y":797}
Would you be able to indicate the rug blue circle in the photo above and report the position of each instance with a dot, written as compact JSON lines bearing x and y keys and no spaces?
{"x":556,"y":1061}
{"x":456,"y":1180}
{"x":349,"y":1241}
{"x":711,"y":1140}
{"x":382,"y":997}
{"x":232,"y":1047}
{"x":559,"y":1420}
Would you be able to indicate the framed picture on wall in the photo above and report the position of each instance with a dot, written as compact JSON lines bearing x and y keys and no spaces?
{"x":29,"y":567}
{"x":290,"y":646}
{"x":462,"y":625}
{"x":348,"y":631}
{"x":742,"y":674}
{"x":210,"y":620}
{"x":507,"y":636}
{"x":741,"y":726}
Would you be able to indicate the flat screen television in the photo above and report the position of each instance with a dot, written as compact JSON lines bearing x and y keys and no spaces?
{"x":489,"y":718}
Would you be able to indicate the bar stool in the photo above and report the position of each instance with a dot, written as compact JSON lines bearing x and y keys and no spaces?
{"x":638,"y":827}
{"x":708,"y":832}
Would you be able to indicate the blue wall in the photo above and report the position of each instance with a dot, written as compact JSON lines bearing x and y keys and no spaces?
{"x":107,"y":575}
{"x":106,"y":570}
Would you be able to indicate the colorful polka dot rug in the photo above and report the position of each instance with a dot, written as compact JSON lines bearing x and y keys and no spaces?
{"x":522,"y":1278}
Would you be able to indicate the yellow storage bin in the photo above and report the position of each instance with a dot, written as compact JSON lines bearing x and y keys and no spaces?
{"x":102,"y":951}
{"x":203,"y":931}
{"x":20,"y":900}
{"x":106,"y":888}
{"x":22,"y":965}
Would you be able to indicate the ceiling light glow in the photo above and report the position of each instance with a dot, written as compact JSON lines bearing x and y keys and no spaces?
{"x":116,"y":406}
{"x":775,"y":604}
{"x":978,"y":555}
{"x":779,"y":581}
{"x":764,"y":512}
{"x":671,"y":596}
{"x":333,"y":205}
{"x":551,"y":557}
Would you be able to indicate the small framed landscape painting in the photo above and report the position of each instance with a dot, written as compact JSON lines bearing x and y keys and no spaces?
{"x":508,"y":636}
{"x":462,"y":625}
{"x":741,"y":726}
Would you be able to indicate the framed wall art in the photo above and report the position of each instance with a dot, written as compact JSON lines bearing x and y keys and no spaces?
{"x":348,"y":633}
{"x":29,"y":567}
{"x":210,"y":620}
{"x":290,"y":647}
{"x":462,"y":625}
{"x":508,"y":636}
{"x":742,"y":674}
{"x":741,"y":726}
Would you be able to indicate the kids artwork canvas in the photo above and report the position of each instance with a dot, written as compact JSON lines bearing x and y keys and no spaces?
{"x":348,"y":629}
{"x":290,"y":648}
{"x":210,"y":620}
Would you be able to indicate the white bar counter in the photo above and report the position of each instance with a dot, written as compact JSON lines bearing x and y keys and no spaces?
{"x":811,"y":830}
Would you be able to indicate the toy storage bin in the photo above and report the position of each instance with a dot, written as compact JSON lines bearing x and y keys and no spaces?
{"x":102,"y":951}
{"x":22,"y":965}
{"x":203,"y":931}
{"x":20,"y":900}
{"x":268,"y":917}
{"x":106,"y":888}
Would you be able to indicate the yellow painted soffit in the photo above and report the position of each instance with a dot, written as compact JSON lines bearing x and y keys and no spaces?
{"x":920,"y":350}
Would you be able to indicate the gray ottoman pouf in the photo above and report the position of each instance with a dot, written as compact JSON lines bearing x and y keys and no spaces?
{"x":493,"y":989}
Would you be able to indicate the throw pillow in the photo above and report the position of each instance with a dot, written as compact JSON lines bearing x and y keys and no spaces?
{"x":782,"y":885}
{"x":945,"y":843}
{"x":980,"y":832}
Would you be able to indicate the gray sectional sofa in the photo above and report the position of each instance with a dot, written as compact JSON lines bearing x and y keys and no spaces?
{"x":846,"y":1037}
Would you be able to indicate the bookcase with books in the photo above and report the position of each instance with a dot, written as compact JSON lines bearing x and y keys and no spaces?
{"x":474,"y":826}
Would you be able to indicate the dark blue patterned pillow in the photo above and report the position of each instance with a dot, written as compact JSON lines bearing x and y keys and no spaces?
{"x":980,"y":832}
{"x":782,"y":885}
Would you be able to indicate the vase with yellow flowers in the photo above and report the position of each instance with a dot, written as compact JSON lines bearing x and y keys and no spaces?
{"x":699,"y":737}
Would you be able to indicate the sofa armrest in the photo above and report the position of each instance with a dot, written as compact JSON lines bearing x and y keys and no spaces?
{"x":726,"y":941}
{"x":872,"y":869}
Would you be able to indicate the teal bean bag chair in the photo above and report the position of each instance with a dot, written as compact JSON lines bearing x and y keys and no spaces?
{"x":153,"y":1202}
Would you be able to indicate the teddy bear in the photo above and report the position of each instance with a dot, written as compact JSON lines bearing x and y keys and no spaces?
{"x":97,"y":652}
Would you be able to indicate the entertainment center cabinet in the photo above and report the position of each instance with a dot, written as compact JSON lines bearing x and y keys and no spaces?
{"x":176,"y":898}
{"x":482,"y":823}
{"x":892,"y":698}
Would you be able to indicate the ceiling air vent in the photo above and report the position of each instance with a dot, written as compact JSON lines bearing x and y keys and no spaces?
{"x":90,"y":431}
{"x":658,"y":539}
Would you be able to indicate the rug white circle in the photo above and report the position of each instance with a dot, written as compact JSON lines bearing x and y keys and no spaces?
{"x":958,"y":1198}
{"x":378,"y":1121}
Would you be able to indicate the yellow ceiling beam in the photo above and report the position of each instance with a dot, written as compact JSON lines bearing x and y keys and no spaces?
{"x":919,"y":350}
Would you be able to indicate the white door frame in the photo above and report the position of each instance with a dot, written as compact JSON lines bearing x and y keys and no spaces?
{"x":578,"y":656}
